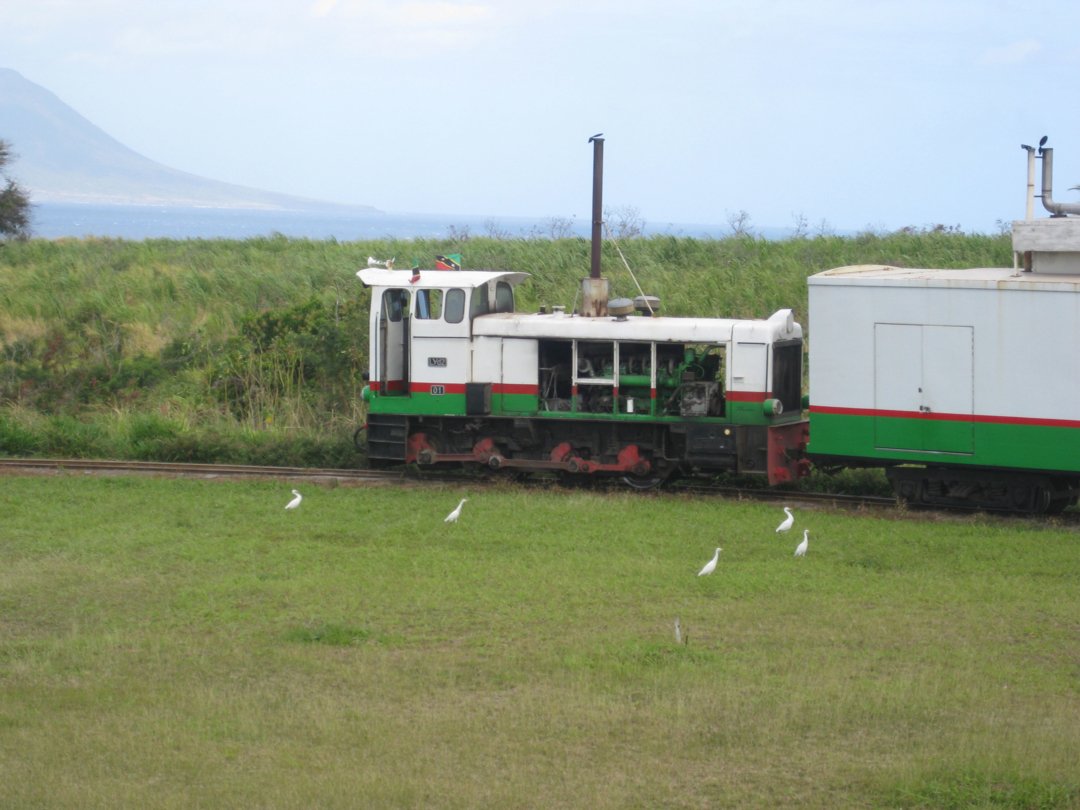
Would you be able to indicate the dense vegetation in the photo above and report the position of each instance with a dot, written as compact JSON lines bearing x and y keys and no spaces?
{"x":253,"y":350}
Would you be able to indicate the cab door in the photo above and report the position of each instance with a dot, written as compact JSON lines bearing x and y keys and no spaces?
{"x":393,"y":337}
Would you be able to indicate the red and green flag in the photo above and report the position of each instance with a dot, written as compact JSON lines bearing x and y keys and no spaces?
{"x":451,"y":261}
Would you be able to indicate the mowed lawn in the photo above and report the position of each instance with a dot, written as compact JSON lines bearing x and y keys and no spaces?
{"x":179,"y":644}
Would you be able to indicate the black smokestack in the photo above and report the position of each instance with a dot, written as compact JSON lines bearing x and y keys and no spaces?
{"x":597,"y":201}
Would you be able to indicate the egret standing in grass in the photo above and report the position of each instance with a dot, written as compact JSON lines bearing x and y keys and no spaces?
{"x":800,"y":551}
{"x":453,"y":516}
{"x":710,"y":566}
{"x":295,"y":502}
{"x":789,"y":521}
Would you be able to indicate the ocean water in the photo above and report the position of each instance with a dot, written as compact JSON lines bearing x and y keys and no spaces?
{"x":57,"y":221}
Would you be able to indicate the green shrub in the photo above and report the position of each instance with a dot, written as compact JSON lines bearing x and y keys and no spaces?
{"x":17,"y":439}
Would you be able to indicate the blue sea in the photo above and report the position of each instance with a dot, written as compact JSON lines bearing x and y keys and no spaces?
{"x":59,"y":220}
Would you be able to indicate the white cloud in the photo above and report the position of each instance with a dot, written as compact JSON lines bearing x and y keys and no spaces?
{"x":323,"y":7}
{"x":1012,"y":54}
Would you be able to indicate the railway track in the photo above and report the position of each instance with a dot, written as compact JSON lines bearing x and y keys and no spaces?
{"x":235,"y":471}
{"x":164,"y":468}
{"x":41,"y":466}
{"x":793,"y":496}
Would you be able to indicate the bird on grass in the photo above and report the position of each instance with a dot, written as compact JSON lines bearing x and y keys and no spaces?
{"x":789,"y":521}
{"x":678,"y":631}
{"x":453,"y":516}
{"x":710,"y":566}
{"x":800,"y":550}
{"x":295,"y":502}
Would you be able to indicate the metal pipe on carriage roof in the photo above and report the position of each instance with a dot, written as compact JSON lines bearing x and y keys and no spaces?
{"x":1055,"y":208}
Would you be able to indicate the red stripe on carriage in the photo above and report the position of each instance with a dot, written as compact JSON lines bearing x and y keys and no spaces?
{"x":747,"y":396}
{"x":459,"y":388}
{"x":447,"y":388}
{"x":391,"y":385}
{"x":514,"y":388}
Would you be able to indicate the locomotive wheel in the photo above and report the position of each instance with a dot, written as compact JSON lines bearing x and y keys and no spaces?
{"x":654,"y":479}
{"x":437,"y":444}
{"x":644,"y":482}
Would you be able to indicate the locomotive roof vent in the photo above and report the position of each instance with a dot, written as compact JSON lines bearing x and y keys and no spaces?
{"x":647,"y":304}
{"x":620,"y":308}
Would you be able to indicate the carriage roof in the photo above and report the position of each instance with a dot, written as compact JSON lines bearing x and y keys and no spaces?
{"x":437,"y":279}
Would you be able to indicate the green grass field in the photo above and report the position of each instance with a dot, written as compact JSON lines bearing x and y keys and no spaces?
{"x":178,"y":644}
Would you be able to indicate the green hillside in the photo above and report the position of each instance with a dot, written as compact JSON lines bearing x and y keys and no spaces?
{"x":252,"y":350}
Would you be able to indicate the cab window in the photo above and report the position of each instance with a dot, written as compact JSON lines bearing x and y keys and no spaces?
{"x":395,"y":304}
{"x":504,"y":297}
{"x":428,"y":304}
{"x":454,"y":306}
{"x":479,"y":302}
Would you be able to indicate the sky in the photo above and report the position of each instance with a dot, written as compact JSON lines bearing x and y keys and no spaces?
{"x":830,"y":115}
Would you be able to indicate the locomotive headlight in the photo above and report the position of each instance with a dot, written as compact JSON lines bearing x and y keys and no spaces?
{"x":773,"y":407}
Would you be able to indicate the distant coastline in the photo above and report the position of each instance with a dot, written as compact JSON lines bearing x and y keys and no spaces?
{"x":136,"y":222}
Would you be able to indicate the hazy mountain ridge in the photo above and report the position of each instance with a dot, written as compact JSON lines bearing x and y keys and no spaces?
{"x":61,"y":157}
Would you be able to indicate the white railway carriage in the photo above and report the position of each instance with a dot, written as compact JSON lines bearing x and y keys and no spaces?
{"x":964,"y":384}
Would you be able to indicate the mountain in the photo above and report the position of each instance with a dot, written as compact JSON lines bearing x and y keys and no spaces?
{"x":60,"y":157}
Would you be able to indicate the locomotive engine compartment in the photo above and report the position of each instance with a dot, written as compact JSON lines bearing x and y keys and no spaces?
{"x":689,"y":379}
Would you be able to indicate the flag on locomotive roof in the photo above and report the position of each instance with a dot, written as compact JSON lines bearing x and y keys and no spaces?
{"x":451,"y":261}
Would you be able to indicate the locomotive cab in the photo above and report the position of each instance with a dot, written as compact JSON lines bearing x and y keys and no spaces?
{"x":420,"y":328}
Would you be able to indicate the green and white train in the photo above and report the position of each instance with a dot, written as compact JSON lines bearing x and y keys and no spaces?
{"x":964,"y":385}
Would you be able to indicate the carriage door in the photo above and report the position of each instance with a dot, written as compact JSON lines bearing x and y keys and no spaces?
{"x":394,"y":343}
{"x":923,"y":387}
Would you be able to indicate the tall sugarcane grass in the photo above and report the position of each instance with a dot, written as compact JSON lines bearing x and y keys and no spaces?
{"x":95,"y":331}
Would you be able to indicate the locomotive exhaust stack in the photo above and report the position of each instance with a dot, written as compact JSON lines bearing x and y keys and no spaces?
{"x":1055,"y":208}
{"x":595,"y":289}
{"x":1049,"y":245}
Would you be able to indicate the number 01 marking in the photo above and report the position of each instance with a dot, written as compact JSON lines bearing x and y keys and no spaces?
{"x":438,"y":390}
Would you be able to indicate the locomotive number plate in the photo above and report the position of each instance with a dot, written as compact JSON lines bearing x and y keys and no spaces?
{"x":438,"y":390}
{"x":437,"y":362}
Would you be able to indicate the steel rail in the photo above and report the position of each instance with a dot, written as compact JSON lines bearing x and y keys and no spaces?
{"x":55,"y":465}
{"x":413,"y":476}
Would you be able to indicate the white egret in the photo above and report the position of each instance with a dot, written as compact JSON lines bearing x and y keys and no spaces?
{"x":800,"y":551}
{"x":789,"y":521}
{"x":678,"y":631}
{"x":295,"y":502}
{"x":710,"y":566}
{"x":453,"y":516}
